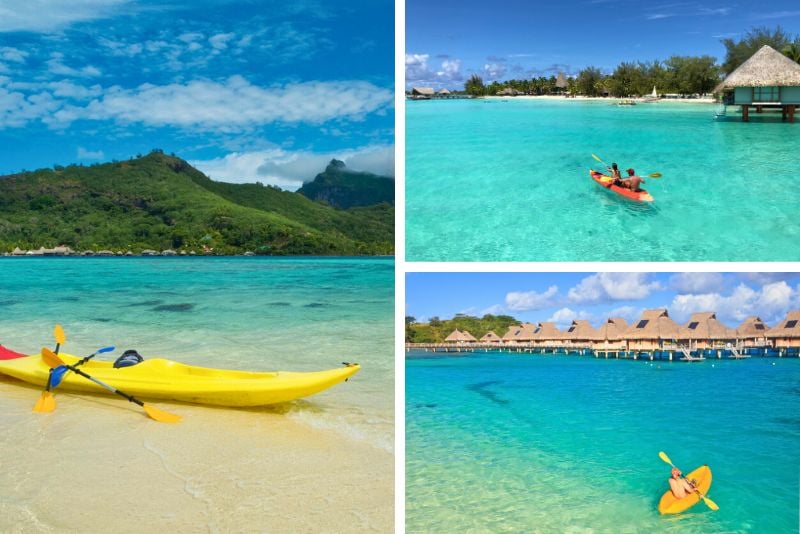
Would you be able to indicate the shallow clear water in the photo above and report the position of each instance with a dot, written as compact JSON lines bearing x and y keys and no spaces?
{"x":494,"y":180}
{"x":290,"y":314}
{"x":504,"y":443}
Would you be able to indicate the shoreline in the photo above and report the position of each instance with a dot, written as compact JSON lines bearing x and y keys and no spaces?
{"x":612,"y":99}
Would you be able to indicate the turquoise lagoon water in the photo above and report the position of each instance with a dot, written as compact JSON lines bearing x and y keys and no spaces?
{"x":510,"y":443}
{"x":494,"y":180}
{"x":290,"y":314}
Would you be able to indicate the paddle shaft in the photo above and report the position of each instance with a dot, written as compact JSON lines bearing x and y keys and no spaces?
{"x":112,"y":389}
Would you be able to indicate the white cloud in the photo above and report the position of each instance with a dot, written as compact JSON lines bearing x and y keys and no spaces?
{"x":494,"y":71}
{"x":89,"y":154}
{"x":220,"y":40}
{"x":495,"y":309}
{"x":565,"y":316}
{"x":629,"y":313}
{"x":531,"y":300}
{"x":612,"y":286}
{"x":770,"y":303}
{"x":697,"y":282}
{"x":9,"y":53}
{"x":234,"y":105}
{"x":56,"y":66}
{"x":289,"y":170}
{"x":418,"y":72}
{"x":49,"y":15}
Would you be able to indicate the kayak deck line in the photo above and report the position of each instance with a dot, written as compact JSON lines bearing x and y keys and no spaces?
{"x":163,"y":379}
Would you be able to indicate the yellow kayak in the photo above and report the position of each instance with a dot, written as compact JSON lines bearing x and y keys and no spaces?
{"x":158,"y":378}
{"x":701,"y":478}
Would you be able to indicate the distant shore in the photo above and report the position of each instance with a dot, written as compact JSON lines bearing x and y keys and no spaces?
{"x":603,"y":99}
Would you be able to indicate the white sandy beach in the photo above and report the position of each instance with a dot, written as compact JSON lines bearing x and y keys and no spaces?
{"x":610,"y":99}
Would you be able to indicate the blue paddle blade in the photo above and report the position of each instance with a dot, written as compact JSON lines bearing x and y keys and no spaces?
{"x":105,"y":349}
{"x":58,"y":375}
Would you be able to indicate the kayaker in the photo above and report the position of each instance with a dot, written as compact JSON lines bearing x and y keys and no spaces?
{"x":632,"y":182}
{"x":615,"y":174}
{"x":680,"y":486}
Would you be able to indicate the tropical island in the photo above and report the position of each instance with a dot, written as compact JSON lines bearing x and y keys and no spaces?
{"x":677,"y":76}
{"x":159,"y":202}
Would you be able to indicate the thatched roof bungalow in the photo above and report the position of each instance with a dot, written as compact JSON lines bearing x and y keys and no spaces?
{"x":547,"y":334}
{"x":490,"y":337}
{"x":767,"y":79}
{"x":752,"y":332}
{"x":787,"y":332}
{"x":422,"y":93}
{"x":609,"y":335}
{"x":651,"y":331}
{"x":457,"y":336}
{"x":519,"y":334}
{"x":443,"y":92}
{"x":581,"y":334}
{"x":705,"y":331}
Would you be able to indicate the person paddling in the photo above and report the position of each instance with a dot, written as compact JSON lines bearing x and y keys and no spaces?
{"x":680,"y":486}
{"x":616,"y":176}
{"x":632,"y":182}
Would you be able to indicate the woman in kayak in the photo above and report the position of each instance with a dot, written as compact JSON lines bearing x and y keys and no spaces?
{"x":680,"y":486}
{"x":616,"y":177}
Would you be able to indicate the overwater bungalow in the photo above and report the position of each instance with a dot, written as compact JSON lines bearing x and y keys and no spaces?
{"x":547,"y":334}
{"x":651,"y":331}
{"x":581,"y":334}
{"x":523,"y":333}
{"x":752,"y":332}
{"x":422,"y":93}
{"x":705,"y":331}
{"x":609,"y":335}
{"x":490,"y":337}
{"x":443,"y":92}
{"x":454,"y":337}
{"x":787,"y":332}
{"x":767,"y":80}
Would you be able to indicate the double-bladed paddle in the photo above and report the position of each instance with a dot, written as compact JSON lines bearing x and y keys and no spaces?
{"x":57,"y":374}
{"x":53,"y":361}
{"x":46,"y":402}
{"x":711,"y":504}
{"x":651,"y":175}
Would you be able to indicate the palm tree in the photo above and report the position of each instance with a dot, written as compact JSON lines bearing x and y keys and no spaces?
{"x":792,"y":51}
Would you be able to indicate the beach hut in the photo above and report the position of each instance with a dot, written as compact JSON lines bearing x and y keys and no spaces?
{"x":651,"y":331}
{"x":454,"y":337}
{"x":508,"y":91}
{"x":422,"y":93}
{"x":443,"y":93}
{"x":752,"y":332}
{"x":466,"y":337}
{"x":547,"y":334}
{"x":490,"y":337}
{"x":609,"y":335}
{"x":581,"y":334}
{"x":561,"y":83}
{"x":767,"y":80}
{"x":519,"y":334}
{"x":787,"y":332}
{"x":705,"y":331}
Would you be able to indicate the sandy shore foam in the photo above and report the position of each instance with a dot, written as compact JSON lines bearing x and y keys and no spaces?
{"x":98,"y":464}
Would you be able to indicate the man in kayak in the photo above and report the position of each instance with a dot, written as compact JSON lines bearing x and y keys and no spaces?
{"x":632,"y":182}
{"x":680,"y":486}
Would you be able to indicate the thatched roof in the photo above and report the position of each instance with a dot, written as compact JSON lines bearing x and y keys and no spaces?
{"x":705,"y":325}
{"x":424,"y":91}
{"x":612,"y":329}
{"x":561,"y":81}
{"x":454,"y":336}
{"x":765,"y":68}
{"x":490,"y":337}
{"x":547,"y":332}
{"x":752,"y":327}
{"x":654,"y":324}
{"x":788,"y":328}
{"x":443,"y":92}
{"x":466,"y":336}
{"x":581,"y":330}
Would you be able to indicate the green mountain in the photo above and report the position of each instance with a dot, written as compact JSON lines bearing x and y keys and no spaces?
{"x":344,"y":188}
{"x":160,"y":201}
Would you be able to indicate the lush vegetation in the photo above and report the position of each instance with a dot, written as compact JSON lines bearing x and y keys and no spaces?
{"x":436,"y":330}
{"x":685,"y":75}
{"x":344,"y":189}
{"x":160,"y":202}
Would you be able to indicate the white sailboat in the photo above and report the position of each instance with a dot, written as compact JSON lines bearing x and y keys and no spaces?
{"x":653,"y":96}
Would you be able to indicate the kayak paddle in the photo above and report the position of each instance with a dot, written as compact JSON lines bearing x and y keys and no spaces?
{"x":46,"y":402}
{"x":652,"y":175}
{"x":52,"y":360}
{"x":59,"y":372}
{"x":711,"y":504}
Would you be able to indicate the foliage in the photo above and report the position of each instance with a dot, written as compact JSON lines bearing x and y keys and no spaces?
{"x":342,"y":188}
{"x":587,"y":81}
{"x":792,"y":51}
{"x":159,"y":202}
{"x":737,"y":52}
{"x":436,"y":330}
{"x":474,"y":86}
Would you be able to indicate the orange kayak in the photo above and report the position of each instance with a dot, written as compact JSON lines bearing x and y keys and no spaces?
{"x":701,"y":477}
{"x":606,"y":181}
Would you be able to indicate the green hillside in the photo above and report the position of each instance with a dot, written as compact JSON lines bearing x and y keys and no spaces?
{"x":343,"y":188}
{"x":159,"y":202}
{"x":436,"y":330}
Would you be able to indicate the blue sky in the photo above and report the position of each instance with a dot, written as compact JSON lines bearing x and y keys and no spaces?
{"x":247,"y":90}
{"x":449,"y":40}
{"x":563,"y":297}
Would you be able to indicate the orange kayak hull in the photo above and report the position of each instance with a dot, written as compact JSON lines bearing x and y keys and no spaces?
{"x":606,"y":182}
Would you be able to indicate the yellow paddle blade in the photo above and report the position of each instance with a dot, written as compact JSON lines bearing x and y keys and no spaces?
{"x":655,"y":175}
{"x":663,"y":456}
{"x":58,"y":332}
{"x":711,"y":504}
{"x":46,"y":403}
{"x":50,"y":358}
{"x":598,"y":159}
{"x":160,"y":415}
